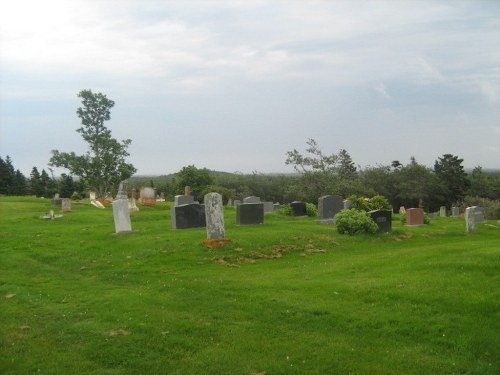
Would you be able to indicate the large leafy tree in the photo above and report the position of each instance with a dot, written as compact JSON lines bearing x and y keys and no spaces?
{"x":197,"y":178}
{"x":450,"y":171}
{"x":104,"y":165}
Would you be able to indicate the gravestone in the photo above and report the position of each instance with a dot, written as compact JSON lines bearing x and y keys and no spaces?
{"x":237,"y":202}
{"x":214,"y":216}
{"x":250,"y":213}
{"x":414,"y":216}
{"x":56,"y":201}
{"x":179,"y":200}
{"x":276,"y":206}
{"x":268,"y":207}
{"x":455,"y":211}
{"x":187,"y":190}
{"x":230,"y":202}
{"x":383,"y":219}
{"x":133,"y":193}
{"x":121,"y":213}
{"x":469,"y":219}
{"x":188,"y":216}
{"x":478,"y":215}
{"x":298,"y":208}
{"x":402,"y":210}
{"x":147,"y":196}
{"x":325,"y":207}
{"x":162,"y":196}
{"x":92,"y":195}
{"x":132,"y":206}
{"x":251,"y":199}
{"x":347,"y":204}
{"x":66,"y":205}
{"x":442,"y":211}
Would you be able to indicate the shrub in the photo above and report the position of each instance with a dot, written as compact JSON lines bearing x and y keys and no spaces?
{"x":76,"y":197}
{"x":311,"y":209}
{"x":286,"y":210}
{"x":376,"y":202}
{"x":491,"y":208}
{"x":354,"y":221}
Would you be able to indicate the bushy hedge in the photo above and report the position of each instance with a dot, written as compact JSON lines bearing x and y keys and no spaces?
{"x":354,"y":221}
{"x":376,"y":202}
{"x":491,"y":208}
{"x":311,"y":209}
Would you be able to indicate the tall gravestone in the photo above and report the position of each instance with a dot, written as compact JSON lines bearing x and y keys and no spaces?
{"x":478,"y":215}
{"x":442,"y":211}
{"x":455,"y":211}
{"x":298,"y":208}
{"x":121,"y":213}
{"x":414,"y":216}
{"x":347,"y":204}
{"x":92,"y":195}
{"x":383,"y":219}
{"x":329,"y":206}
{"x":469,"y":219}
{"x":214,"y":215}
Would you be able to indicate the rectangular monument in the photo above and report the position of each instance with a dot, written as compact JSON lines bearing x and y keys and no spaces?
{"x":298,"y":208}
{"x":329,"y":206}
{"x":268,"y":207}
{"x":442,"y":211}
{"x":179,"y":200}
{"x":121,"y":213}
{"x":455,"y":211}
{"x":383,"y":219}
{"x":251,"y":199}
{"x":250,"y":213}
{"x":414,"y":216}
{"x":188,"y":216}
{"x":147,"y":196}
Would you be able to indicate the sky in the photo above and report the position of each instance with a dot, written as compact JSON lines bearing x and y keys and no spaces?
{"x":233,"y":85}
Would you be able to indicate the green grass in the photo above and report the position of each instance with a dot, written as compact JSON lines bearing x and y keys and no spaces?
{"x":287,"y":297}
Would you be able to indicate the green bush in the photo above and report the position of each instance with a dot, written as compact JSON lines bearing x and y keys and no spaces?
{"x":376,"y":202}
{"x":491,"y":208}
{"x":311,"y":209}
{"x":285,"y":209}
{"x":76,"y":197}
{"x":354,"y":221}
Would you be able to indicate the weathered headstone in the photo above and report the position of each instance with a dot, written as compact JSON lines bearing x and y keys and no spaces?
{"x":251,"y":199}
{"x":162,"y":196}
{"x":268,"y":207}
{"x":214,"y":216}
{"x":121,"y":213}
{"x":147,"y":196}
{"x":133,"y":193}
{"x":442,"y":211}
{"x":250,"y":213}
{"x":92,"y":195}
{"x":187,"y":190}
{"x":56,"y":201}
{"x":414,"y":216}
{"x":188,"y":216}
{"x":66,"y":205}
{"x":237,"y":202}
{"x":478,"y":215}
{"x":455,"y":211}
{"x":469,"y":219}
{"x":132,"y":206}
{"x":298,"y":208}
{"x":276,"y":206}
{"x":329,"y":205}
{"x":383,"y":219}
{"x":230,"y":202}
{"x":402,"y":210}
{"x":347,"y":204}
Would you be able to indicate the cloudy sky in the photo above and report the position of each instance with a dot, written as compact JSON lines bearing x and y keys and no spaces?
{"x":234,"y":85}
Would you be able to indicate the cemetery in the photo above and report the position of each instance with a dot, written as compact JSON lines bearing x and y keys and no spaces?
{"x":283,"y":293}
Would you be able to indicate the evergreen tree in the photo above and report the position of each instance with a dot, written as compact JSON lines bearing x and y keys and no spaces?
{"x":450,"y":171}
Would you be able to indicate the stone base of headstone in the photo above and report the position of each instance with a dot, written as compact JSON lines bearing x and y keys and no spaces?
{"x":250,"y":213}
{"x":121,"y":215}
{"x":325,"y":221}
{"x":188,"y":216}
{"x":215,"y":244}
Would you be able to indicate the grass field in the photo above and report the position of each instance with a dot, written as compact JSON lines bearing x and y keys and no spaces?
{"x":287,"y":297}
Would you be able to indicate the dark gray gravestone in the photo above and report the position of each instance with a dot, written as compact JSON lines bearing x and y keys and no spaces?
{"x":383,"y":219}
{"x":298,"y":208}
{"x":250,"y":213}
{"x":325,"y":207}
{"x":188,"y":216}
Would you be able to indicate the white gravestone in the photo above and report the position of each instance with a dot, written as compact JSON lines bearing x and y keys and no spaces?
{"x":214,"y":213}
{"x":121,"y":212}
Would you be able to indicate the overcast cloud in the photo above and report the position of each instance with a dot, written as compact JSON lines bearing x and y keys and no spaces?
{"x":233,"y":85}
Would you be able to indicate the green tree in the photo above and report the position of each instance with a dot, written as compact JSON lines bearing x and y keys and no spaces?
{"x":347,"y":169}
{"x":450,"y":171}
{"x":67,"y":186}
{"x":103,"y":166}
{"x":198,"y":179}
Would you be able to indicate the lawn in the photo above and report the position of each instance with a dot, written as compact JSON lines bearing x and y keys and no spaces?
{"x":287,"y":297}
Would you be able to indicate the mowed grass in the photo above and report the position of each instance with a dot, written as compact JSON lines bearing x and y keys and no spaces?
{"x":287,"y":297}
